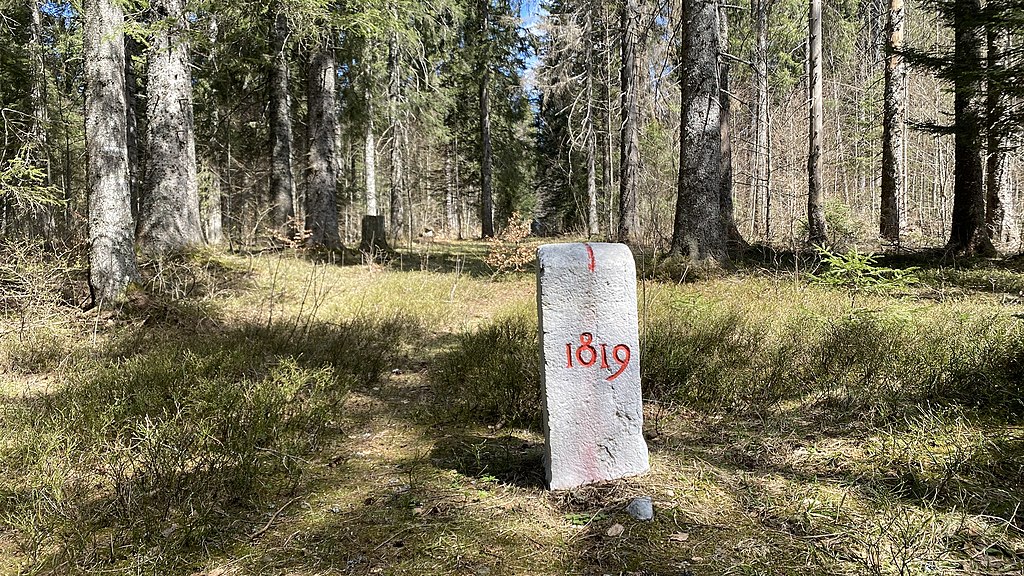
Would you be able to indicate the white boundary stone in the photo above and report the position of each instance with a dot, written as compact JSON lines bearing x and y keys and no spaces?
{"x":590,"y":358}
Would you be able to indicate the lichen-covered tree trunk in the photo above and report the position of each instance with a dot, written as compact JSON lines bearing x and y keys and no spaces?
{"x":629,"y":140}
{"x":1000,"y":213}
{"x":169,"y":219}
{"x":968,"y":233}
{"x":699,"y":233}
{"x":397,"y":211}
{"x":322,"y":170}
{"x":817,"y":231}
{"x":282,"y":175}
{"x":893,"y":111}
{"x":112,"y":264}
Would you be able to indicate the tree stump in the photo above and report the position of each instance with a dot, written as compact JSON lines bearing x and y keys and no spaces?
{"x":374,"y":239}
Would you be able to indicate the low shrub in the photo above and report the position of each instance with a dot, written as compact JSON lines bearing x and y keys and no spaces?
{"x":161,"y":437}
{"x":712,"y":357}
{"x":719,"y":356}
{"x":492,"y":374}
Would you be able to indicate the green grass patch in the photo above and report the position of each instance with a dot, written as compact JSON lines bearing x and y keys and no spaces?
{"x":492,"y":374}
{"x":284,"y":413}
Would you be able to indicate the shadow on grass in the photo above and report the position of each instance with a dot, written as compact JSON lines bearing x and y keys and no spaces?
{"x":440,"y":256}
{"x":508,"y":459}
{"x":176,"y":434}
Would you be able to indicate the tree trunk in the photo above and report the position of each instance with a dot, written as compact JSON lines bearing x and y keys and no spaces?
{"x":450,"y":196}
{"x":282,"y":176}
{"x":893,"y":112}
{"x":460,"y":198}
{"x":817,"y":232}
{"x":732,"y":234}
{"x":38,"y":129}
{"x":629,"y":140}
{"x":169,"y":219}
{"x":593,"y":220}
{"x":213,"y":229}
{"x":486,"y":162}
{"x":370,"y":160}
{"x":968,"y":233}
{"x":132,"y":89}
{"x":698,"y":232}
{"x":607,"y":173}
{"x":760,"y":178}
{"x":394,"y":93}
{"x":1000,"y":213}
{"x":374,"y":241}
{"x":40,"y":115}
{"x":112,"y":264}
{"x":321,"y":174}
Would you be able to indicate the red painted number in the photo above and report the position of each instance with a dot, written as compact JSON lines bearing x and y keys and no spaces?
{"x":586,"y":355}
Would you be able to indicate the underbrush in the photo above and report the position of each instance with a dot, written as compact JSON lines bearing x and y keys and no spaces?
{"x":794,"y":428}
{"x":40,"y":288}
{"x":167,"y":436}
{"x":720,"y":356}
{"x":162,"y":427}
{"x":729,"y":355}
{"x":492,"y":374}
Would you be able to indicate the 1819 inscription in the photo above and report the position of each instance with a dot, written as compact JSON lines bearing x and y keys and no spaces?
{"x":586,"y":355}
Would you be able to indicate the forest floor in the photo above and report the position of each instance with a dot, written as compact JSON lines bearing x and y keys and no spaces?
{"x":287,"y":413}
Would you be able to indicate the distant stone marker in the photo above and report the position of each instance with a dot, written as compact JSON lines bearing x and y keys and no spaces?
{"x":590,"y":352}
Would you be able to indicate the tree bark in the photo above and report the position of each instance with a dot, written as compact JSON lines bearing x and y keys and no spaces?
{"x":968,"y":233}
{"x":370,"y":159}
{"x":486,"y":161}
{"x":629,"y":140}
{"x":607,"y":173}
{"x":817,"y":231}
{"x":893,"y":112}
{"x":135,"y":159}
{"x":760,"y":175}
{"x":282,"y":175}
{"x":374,"y":242}
{"x":38,"y":129}
{"x":732,"y":234}
{"x":1000,"y":213}
{"x":321,"y":173}
{"x":593,"y":220}
{"x":169,"y":219}
{"x":213,"y":229}
{"x":112,"y":264}
{"x":450,"y":196}
{"x":40,"y":115}
{"x":698,"y":232}
{"x":394,"y":93}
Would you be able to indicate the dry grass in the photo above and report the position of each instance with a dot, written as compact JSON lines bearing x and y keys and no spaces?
{"x":395,"y":481}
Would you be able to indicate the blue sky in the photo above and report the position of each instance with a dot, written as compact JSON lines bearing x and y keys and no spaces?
{"x":531,"y":13}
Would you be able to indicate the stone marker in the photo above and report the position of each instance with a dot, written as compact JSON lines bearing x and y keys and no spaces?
{"x":590,"y":353}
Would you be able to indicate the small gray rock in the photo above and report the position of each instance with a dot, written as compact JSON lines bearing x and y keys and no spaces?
{"x":641,"y":508}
